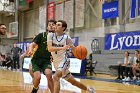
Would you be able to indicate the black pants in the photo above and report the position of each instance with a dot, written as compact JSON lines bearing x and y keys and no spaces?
{"x":124,"y":71}
{"x":9,"y":64}
{"x":16,"y":62}
{"x":3,"y":63}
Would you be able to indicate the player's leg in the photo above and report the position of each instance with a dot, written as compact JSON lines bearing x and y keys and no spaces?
{"x":48,"y":74}
{"x":57,"y":76}
{"x":36,"y":81}
{"x":37,"y":76}
{"x":31,"y":71}
{"x":47,"y":68}
{"x":74,"y":82}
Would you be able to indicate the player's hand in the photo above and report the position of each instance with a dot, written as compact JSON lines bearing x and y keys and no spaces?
{"x":30,"y":52}
{"x":66,"y":47}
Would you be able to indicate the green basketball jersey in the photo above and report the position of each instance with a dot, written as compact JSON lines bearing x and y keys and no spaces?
{"x":42,"y":50}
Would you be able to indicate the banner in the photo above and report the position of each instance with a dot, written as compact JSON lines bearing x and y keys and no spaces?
{"x":59,"y":12}
{"x":59,"y":1}
{"x":68,"y":14}
{"x":110,"y":10}
{"x":138,"y":7}
{"x":23,"y":5}
{"x":133,"y":9}
{"x":51,"y":11}
{"x":29,"y":1}
{"x":42,"y":19}
{"x":75,"y":40}
{"x":22,"y":2}
{"x":122,"y":41}
{"x":79,"y":14}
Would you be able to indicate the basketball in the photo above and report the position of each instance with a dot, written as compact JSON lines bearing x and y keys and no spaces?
{"x":80,"y":52}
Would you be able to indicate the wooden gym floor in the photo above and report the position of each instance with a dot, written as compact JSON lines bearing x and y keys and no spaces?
{"x":21,"y":82}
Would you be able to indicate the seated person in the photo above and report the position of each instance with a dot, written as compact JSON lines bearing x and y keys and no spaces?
{"x":89,"y":66}
{"x":125,"y":67}
{"x":136,"y":67}
{"x":9,"y":61}
{"x":3,"y":60}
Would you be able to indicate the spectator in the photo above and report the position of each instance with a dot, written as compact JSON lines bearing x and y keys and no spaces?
{"x":136,"y":65}
{"x":9,"y":61}
{"x":135,"y":57}
{"x":88,"y":65}
{"x":1,"y":58}
{"x":3,"y":61}
{"x":125,"y":67}
{"x":2,"y":29}
{"x":16,"y":52}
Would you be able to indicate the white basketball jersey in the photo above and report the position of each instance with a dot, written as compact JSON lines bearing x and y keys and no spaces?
{"x":58,"y":41}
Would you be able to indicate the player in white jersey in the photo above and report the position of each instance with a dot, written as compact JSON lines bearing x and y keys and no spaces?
{"x":58,"y":44}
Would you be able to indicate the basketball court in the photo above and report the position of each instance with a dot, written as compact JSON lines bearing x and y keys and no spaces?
{"x":95,"y":38}
{"x":21,"y":82}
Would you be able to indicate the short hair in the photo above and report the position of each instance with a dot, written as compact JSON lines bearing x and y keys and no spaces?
{"x":137,"y":51}
{"x":64,"y":24}
{"x":52,"y":21}
{"x":2,"y":24}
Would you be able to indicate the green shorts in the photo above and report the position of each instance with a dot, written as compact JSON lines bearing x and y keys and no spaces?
{"x":41,"y":65}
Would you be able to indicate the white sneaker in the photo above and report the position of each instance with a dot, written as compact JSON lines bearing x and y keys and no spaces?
{"x":124,"y":79}
{"x":128,"y":79}
{"x":134,"y":78}
{"x":91,"y":90}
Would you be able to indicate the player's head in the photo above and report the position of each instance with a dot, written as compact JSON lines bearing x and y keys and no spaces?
{"x":15,"y":45}
{"x":126,"y":53}
{"x":61,"y":25}
{"x":137,"y":52}
{"x":2,"y":29}
{"x":51,"y":25}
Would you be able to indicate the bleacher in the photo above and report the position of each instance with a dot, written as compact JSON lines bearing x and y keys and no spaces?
{"x":107,"y":58}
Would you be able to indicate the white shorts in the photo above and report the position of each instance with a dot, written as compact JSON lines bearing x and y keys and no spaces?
{"x":64,"y":67}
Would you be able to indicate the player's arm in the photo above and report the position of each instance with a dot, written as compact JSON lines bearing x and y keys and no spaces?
{"x":36,"y":41}
{"x":31,"y":47}
{"x":70,"y":43}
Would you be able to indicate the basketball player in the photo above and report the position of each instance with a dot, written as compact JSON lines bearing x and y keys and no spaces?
{"x":41,"y":59}
{"x":58,"y":44}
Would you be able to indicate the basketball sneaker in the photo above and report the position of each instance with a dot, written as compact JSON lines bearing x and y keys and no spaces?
{"x":91,"y":90}
{"x":126,"y":79}
{"x":34,"y":90}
